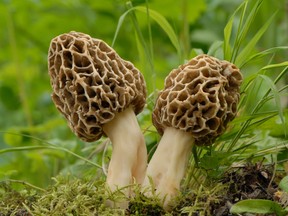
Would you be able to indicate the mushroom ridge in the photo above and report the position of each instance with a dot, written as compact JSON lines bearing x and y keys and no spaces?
{"x":91,"y":83}
{"x":199,"y":97}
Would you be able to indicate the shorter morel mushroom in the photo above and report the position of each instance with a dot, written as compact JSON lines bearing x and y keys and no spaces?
{"x":198,"y":100}
{"x":100,"y":93}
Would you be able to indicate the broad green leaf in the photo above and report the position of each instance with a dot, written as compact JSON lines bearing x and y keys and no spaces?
{"x":214,"y":160}
{"x":284,"y":184}
{"x":257,"y":206}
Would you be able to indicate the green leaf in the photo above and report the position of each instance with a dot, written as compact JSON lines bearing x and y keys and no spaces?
{"x":240,"y":59}
{"x":164,"y":24}
{"x":171,"y":9}
{"x":228,"y":33}
{"x":120,"y":22}
{"x":284,"y":184}
{"x":11,"y":139}
{"x":264,"y":53}
{"x":214,"y":160}
{"x":257,"y":206}
{"x":276,"y":97}
{"x":157,"y":17}
{"x":271,"y":66}
{"x":46,"y":145}
{"x":214,"y":48}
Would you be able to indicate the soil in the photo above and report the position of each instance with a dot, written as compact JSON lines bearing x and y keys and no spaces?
{"x":244,"y":182}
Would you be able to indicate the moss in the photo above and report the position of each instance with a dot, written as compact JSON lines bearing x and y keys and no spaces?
{"x":16,"y":202}
{"x":74,"y":196}
{"x":140,"y":204}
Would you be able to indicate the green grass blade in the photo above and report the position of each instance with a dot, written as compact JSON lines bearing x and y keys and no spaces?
{"x":164,"y":24}
{"x":14,"y":181}
{"x":271,"y":66}
{"x":262,"y":54}
{"x":228,"y":33}
{"x":237,"y":40}
{"x":46,"y":145}
{"x":243,"y":29}
{"x":120,"y":22}
{"x":157,"y":17}
{"x":241,"y":58}
{"x":214,"y":48}
{"x":140,"y":40}
{"x":32,"y":148}
{"x":149,"y":30}
{"x":276,"y":97}
{"x":260,"y":103}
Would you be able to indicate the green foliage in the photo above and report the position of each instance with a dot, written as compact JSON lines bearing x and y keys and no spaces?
{"x":284,"y":184}
{"x":258,"y":207}
{"x":35,"y":141}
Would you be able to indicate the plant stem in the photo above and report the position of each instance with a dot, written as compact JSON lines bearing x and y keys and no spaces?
{"x":20,"y":81}
{"x":185,"y":31}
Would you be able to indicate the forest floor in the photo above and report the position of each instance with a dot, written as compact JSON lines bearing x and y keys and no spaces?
{"x":82,"y":197}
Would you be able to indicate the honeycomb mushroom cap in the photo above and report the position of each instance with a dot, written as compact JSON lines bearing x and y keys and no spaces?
{"x":199,"y":97}
{"x":91,"y":83}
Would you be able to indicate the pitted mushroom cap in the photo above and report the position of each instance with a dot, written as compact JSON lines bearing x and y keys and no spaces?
{"x":91,"y":83}
{"x":199,"y":97}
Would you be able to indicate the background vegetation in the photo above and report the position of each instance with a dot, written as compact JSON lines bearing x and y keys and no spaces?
{"x":35,"y":142}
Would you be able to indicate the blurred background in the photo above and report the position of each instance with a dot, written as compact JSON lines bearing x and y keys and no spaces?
{"x":28,"y":117}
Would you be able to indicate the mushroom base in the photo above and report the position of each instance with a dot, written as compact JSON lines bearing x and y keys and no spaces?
{"x":167,"y":166}
{"x":129,"y":156}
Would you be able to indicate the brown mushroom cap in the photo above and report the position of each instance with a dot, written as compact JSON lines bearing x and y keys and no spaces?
{"x":91,"y":83}
{"x":199,"y":97}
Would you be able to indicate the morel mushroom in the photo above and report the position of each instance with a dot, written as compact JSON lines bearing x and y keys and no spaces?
{"x":100,"y":93}
{"x":199,"y":99}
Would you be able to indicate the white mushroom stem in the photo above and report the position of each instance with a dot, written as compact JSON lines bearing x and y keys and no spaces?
{"x":167,"y":166}
{"x":129,"y":156}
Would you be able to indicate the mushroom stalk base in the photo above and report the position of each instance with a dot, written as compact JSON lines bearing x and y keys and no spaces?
{"x":167,"y":166}
{"x":129,"y":156}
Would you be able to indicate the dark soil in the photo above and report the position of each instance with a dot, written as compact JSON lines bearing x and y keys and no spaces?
{"x":243,"y":182}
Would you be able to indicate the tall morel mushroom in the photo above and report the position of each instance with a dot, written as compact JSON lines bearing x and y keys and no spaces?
{"x":198,"y":100}
{"x":100,"y":93}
